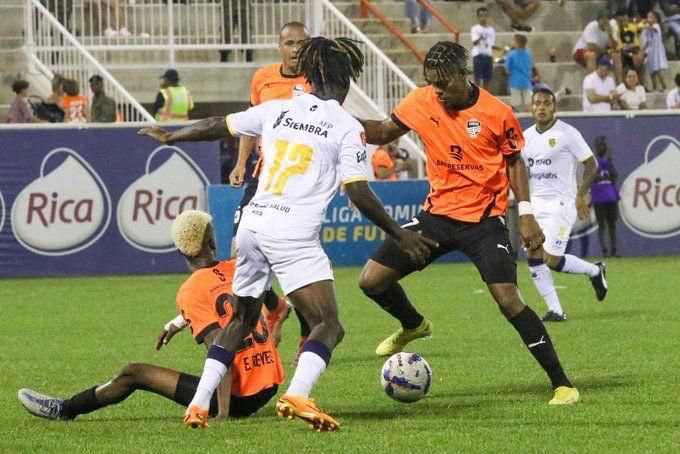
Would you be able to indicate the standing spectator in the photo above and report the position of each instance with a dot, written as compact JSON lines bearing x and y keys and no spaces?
{"x":75,"y":104}
{"x":103,"y":108}
{"x":518,"y":65}
{"x":605,"y":197}
{"x":389,"y":162}
{"x":673,"y":98}
{"x":57,"y":95}
{"x":597,"y":41}
{"x":519,"y":11}
{"x":632,"y":95}
{"x":61,"y":9}
{"x":114,"y":18}
{"x":19,"y":110}
{"x":419,"y":15}
{"x":235,"y":14}
{"x":656,"y":54}
{"x":483,"y":38}
{"x":671,"y":9}
{"x":173,"y":101}
{"x":599,"y":89}
{"x":630,"y":40}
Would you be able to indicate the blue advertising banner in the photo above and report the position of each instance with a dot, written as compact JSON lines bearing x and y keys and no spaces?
{"x":95,"y":200}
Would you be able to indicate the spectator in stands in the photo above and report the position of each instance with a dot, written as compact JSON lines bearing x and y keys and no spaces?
{"x":60,"y":9}
{"x":671,"y":9}
{"x":390,"y":162}
{"x":518,"y":63}
{"x":519,"y":11}
{"x":103,"y":108}
{"x":483,"y":38}
{"x":605,"y":197}
{"x":57,"y":95}
{"x":419,"y":15}
{"x":173,"y":101}
{"x":114,"y":18}
{"x":19,"y":110}
{"x":673,"y":98}
{"x":629,"y":35}
{"x":235,"y":14}
{"x":656,"y":53}
{"x":632,"y":95}
{"x":74,"y":104}
{"x":599,"y":89}
{"x":597,"y":41}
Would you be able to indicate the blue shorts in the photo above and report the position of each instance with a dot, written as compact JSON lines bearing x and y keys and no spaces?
{"x":482,"y":66}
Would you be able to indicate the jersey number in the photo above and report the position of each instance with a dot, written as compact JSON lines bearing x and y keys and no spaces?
{"x":300,"y":155}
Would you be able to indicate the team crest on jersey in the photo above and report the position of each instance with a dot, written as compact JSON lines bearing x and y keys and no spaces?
{"x":474,"y":127}
{"x":298,"y":89}
{"x":552,"y":142}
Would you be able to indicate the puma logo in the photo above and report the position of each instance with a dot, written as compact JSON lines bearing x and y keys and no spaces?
{"x":536,"y":344}
{"x":435,"y":121}
{"x":500,"y":246}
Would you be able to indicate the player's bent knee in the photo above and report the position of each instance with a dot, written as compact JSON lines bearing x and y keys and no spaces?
{"x":130,"y":373}
{"x":372,"y":282}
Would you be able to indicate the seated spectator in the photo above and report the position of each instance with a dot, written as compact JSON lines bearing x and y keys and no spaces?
{"x":57,"y":95}
{"x":390,"y":163}
{"x":599,"y":89}
{"x":75,"y":104}
{"x":671,"y":9}
{"x":673,"y":98}
{"x":518,"y":65}
{"x":419,"y":15}
{"x":656,"y":60}
{"x":632,"y":95}
{"x":519,"y":11}
{"x":19,"y":110}
{"x":483,"y":38}
{"x":598,"y":41}
{"x":103,"y":108}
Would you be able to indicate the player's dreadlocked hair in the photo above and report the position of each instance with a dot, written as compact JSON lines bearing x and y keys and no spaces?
{"x":330,"y":63}
{"x":447,"y":58}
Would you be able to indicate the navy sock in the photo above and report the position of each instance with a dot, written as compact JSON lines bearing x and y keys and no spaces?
{"x":81,"y":403}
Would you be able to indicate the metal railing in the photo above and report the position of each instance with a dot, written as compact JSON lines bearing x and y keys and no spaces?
{"x":51,"y":49}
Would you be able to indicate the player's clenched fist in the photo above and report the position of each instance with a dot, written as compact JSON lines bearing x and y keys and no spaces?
{"x":157,"y":133}
{"x":415,"y":245}
{"x":237,"y":176}
{"x":531,"y":233}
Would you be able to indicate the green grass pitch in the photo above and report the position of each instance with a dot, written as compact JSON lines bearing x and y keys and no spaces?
{"x":63,"y":335}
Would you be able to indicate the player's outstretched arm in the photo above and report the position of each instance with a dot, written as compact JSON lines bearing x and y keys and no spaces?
{"x":529,"y":230}
{"x":213,"y":128}
{"x":223,"y":390}
{"x":414,"y":244}
{"x":380,"y":132}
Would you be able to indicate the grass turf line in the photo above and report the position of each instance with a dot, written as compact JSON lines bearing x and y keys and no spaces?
{"x":64,"y":335}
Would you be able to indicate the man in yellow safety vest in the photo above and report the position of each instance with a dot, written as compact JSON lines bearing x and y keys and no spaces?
{"x":173,"y":101}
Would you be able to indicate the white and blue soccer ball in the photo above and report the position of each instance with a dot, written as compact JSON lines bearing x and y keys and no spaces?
{"x":406,"y":377}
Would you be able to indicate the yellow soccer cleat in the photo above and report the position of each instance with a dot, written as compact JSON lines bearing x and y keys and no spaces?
{"x":305,"y":410}
{"x":196,"y":418}
{"x":565,"y":396}
{"x":397,"y":341}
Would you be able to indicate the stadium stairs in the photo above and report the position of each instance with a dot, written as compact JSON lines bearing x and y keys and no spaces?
{"x":12,"y":56}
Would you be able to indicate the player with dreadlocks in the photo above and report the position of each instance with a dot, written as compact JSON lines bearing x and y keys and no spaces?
{"x":473,"y":143}
{"x":310,"y":145}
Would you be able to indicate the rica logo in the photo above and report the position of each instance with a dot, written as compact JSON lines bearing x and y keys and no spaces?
{"x":149,"y":205}
{"x":65,"y":210}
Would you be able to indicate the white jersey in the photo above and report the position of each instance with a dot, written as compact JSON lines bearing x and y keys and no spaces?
{"x":309,"y":147}
{"x":551,"y":158}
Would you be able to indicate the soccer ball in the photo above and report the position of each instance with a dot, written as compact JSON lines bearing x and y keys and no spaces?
{"x":406,"y":377}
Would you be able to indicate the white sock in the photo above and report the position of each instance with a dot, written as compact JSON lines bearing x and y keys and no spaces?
{"x":213,"y":372}
{"x":543,"y":280}
{"x":575,"y":265}
{"x":309,"y":369}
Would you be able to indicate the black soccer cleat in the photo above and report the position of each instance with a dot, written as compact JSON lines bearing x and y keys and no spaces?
{"x":599,"y":282}
{"x":551,"y":316}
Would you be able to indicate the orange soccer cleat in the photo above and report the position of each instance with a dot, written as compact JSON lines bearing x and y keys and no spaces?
{"x":305,"y":410}
{"x":196,"y":418}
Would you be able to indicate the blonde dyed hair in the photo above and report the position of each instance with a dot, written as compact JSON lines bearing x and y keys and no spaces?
{"x":188,"y":231}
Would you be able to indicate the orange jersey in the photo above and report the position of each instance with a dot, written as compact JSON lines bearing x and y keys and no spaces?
{"x":74,"y":107}
{"x":381,"y":158}
{"x":269,"y":83}
{"x":205,"y":302}
{"x":465,"y":152}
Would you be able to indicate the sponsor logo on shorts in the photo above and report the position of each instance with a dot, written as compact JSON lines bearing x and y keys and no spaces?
{"x":63,"y":211}
{"x":473,"y":127}
{"x":149,"y":205}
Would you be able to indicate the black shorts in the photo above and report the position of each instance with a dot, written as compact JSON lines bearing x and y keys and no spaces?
{"x":239,"y":407}
{"x":482,"y":66}
{"x":248,"y":194}
{"x":606,"y":211}
{"x":485,"y":243}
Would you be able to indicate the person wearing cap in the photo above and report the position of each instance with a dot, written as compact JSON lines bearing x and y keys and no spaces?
{"x":173,"y":101}
{"x":597,"y":41}
{"x":103,"y":108}
{"x":599,"y":89}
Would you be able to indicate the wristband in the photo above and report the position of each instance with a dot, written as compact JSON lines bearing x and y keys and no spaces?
{"x":178,"y":321}
{"x":524,"y":207}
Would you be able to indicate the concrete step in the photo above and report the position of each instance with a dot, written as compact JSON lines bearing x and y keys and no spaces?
{"x":12,"y":21}
{"x":161,"y":57}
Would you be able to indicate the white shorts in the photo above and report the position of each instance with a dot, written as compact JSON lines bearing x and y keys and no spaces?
{"x":556,"y":218}
{"x":295,"y":263}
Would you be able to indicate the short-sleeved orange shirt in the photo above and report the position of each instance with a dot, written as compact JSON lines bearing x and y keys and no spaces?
{"x":381,"y":158}
{"x":270,"y":83}
{"x":74,"y":107}
{"x":465,"y":152}
{"x":205,"y":302}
